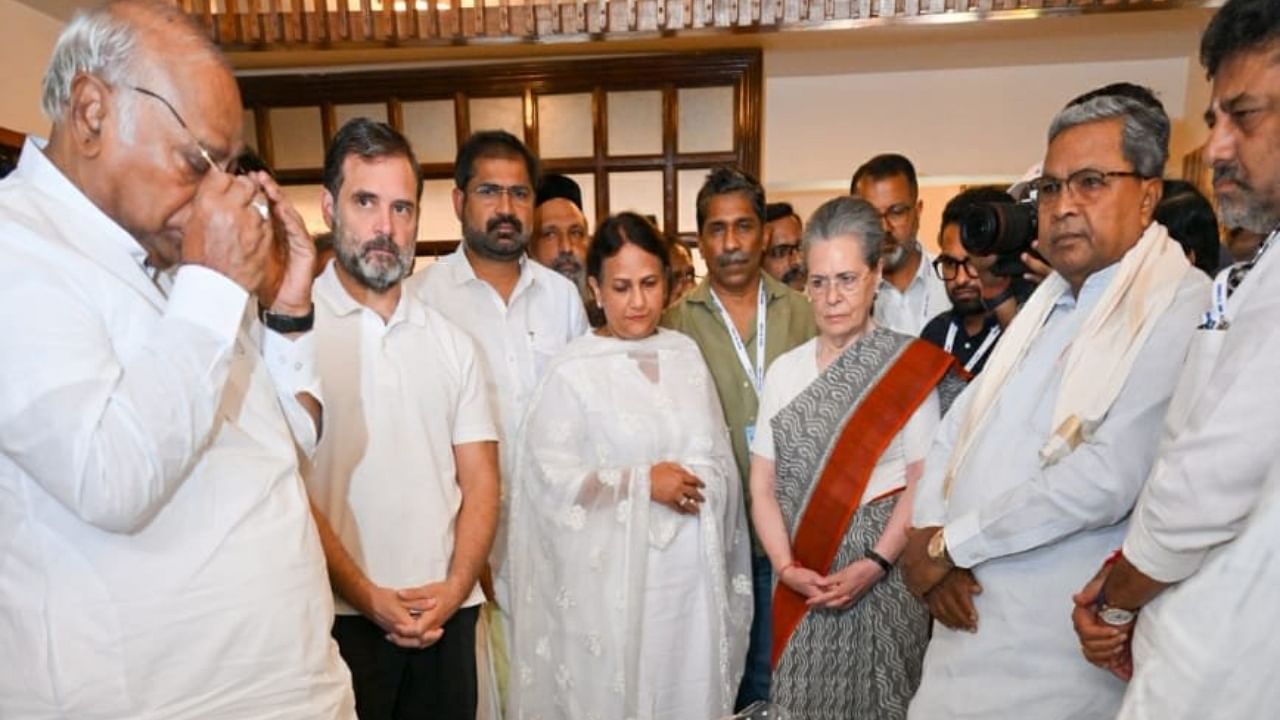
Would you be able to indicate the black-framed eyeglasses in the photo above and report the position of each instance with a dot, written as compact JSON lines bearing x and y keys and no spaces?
{"x":948,"y":268}
{"x":1086,"y":184}
{"x":780,"y":251}
{"x":492,"y":193}
{"x":204,"y":151}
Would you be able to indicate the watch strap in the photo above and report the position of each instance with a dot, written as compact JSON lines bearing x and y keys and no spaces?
{"x":290,"y":323}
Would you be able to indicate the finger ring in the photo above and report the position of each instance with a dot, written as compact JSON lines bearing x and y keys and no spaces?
{"x":262,"y":208}
{"x":684,"y":501}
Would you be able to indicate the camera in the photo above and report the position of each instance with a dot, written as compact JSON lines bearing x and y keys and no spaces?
{"x":1003,"y":229}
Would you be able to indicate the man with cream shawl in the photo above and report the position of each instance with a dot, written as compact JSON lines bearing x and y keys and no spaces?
{"x":1038,"y":464}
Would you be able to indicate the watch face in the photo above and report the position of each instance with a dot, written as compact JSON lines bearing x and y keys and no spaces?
{"x":936,"y":544}
{"x":1116,"y":616}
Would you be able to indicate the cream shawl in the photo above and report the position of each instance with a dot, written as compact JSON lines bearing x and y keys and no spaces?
{"x":1100,"y":357}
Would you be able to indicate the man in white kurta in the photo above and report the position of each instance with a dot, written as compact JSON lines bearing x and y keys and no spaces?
{"x":1022,"y":513}
{"x":520,"y":313}
{"x":159,"y":558}
{"x":1206,"y":522}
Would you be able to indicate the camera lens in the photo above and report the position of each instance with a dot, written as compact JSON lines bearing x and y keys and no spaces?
{"x":998,"y":228}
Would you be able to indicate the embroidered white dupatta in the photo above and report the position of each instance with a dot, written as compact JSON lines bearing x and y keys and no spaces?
{"x":584,"y":532}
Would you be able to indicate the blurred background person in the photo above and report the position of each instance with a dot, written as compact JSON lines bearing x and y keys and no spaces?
{"x":629,"y":541}
{"x":782,"y":231}
{"x":683,"y":274}
{"x":969,"y":329}
{"x":910,"y":294}
{"x":846,"y":421}
{"x":1188,"y":216}
{"x":560,"y":234}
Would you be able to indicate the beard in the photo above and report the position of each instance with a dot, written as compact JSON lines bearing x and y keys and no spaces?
{"x":794,"y":274}
{"x":376,"y":272}
{"x":894,"y":257}
{"x":497,"y":243}
{"x":1244,"y":206}
{"x":968,"y":307}
{"x":568,"y":265}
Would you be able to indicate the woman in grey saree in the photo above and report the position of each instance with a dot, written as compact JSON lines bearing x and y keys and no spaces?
{"x":844,"y":424}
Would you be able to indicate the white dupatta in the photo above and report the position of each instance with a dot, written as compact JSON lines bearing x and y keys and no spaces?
{"x":1099,"y":358}
{"x":583,"y":528}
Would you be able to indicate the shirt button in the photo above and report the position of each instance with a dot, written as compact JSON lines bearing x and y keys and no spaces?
{"x":297,"y":366}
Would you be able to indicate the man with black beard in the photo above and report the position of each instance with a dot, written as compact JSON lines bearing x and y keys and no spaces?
{"x":967,"y":331}
{"x":909,"y":294}
{"x":404,"y":483}
{"x":520,"y":313}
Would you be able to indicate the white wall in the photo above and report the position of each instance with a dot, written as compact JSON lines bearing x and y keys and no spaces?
{"x":26,"y":42}
{"x":958,"y":126}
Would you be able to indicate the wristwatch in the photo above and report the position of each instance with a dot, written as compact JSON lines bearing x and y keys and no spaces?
{"x":286,"y":324}
{"x":937,"y":549}
{"x":1114,"y":616}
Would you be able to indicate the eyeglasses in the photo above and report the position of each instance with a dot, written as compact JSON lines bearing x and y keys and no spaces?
{"x":896,"y":213}
{"x":492,"y":193}
{"x":688,"y":275}
{"x":1087,"y":184}
{"x":782,"y":252}
{"x":845,"y":283}
{"x":948,"y":268}
{"x":204,"y":151}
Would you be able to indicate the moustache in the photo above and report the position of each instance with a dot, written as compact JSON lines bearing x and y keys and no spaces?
{"x":511,"y":220}
{"x":380,"y":243}
{"x":733,"y":257}
{"x":795,"y":272}
{"x":1224,"y":171}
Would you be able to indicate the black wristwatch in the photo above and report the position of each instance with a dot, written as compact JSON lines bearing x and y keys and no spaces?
{"x":290,"y":323}
{"x":878,"y":559}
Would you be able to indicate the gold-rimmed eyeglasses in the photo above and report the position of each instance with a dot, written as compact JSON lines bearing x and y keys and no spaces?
{"x":205,"y":155}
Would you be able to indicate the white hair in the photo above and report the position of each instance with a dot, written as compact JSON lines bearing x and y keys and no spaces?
{"x":105,"y":42}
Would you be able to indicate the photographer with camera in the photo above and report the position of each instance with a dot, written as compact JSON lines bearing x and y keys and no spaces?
{"x":968,"y":330}
{"x":1036,"y":467}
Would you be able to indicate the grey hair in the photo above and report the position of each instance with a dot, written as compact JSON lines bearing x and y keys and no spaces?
{"x":1145,"y":137}
{"x":846,"y":216}
{"x":104,"y":42}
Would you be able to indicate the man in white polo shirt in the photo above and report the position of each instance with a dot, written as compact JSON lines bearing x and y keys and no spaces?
{"x":405,"y":479}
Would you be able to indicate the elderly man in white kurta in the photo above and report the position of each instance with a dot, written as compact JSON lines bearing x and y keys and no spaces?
{"x":159,"y":557}
{"x":1198,"y":647}
{"x":1038,"y":464}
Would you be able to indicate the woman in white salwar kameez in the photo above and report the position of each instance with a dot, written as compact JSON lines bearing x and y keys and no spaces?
{"x":628,"y":546}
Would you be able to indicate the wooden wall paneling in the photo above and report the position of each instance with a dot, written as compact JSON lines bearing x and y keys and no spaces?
{"x":461,"y":116}
{"x":600,"y":127}
{"x":670,"y":188}
{"x":395,"y":114}
{"x":328,"y":124}
{"x":529,"y":111}
{"x":262,"y":128}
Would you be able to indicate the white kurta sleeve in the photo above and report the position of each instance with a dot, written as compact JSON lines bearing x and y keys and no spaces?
{"x":111,"y":438}
{"x":291,"y":363}
{"x":473,"y":417}
{"x":1209,"y":479}
{"x":930,"y":504}
{"x":1097,"y":484}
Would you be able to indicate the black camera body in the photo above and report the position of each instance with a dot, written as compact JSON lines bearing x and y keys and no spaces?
{"x":1003,"y":229}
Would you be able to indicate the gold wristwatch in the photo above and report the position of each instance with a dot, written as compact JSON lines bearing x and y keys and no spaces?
{"x":937,"y":549}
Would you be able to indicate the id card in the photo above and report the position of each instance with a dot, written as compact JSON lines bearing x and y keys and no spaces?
{"x":751,"y":434}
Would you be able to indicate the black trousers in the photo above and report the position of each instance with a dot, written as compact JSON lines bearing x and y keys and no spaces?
{"x":394,"y":683}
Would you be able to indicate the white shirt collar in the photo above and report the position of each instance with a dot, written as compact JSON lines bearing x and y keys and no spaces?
{"x":462,"y":271}
{"x":330,"y":289}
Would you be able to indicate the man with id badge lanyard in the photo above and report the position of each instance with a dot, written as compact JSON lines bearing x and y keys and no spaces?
{"x":1189,"y":562}
{"x":741,"y":319}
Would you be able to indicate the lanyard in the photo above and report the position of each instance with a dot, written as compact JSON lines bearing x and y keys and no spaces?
{"x":978,"y":354}
{"x":756,"y":375}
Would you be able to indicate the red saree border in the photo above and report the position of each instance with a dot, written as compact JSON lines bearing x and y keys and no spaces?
{"x":835,"y":498}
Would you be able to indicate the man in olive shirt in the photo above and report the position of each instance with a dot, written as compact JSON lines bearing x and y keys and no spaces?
{"x":722,"y":316}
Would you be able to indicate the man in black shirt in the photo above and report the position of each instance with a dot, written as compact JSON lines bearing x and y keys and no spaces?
{"x":967,"y":331}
